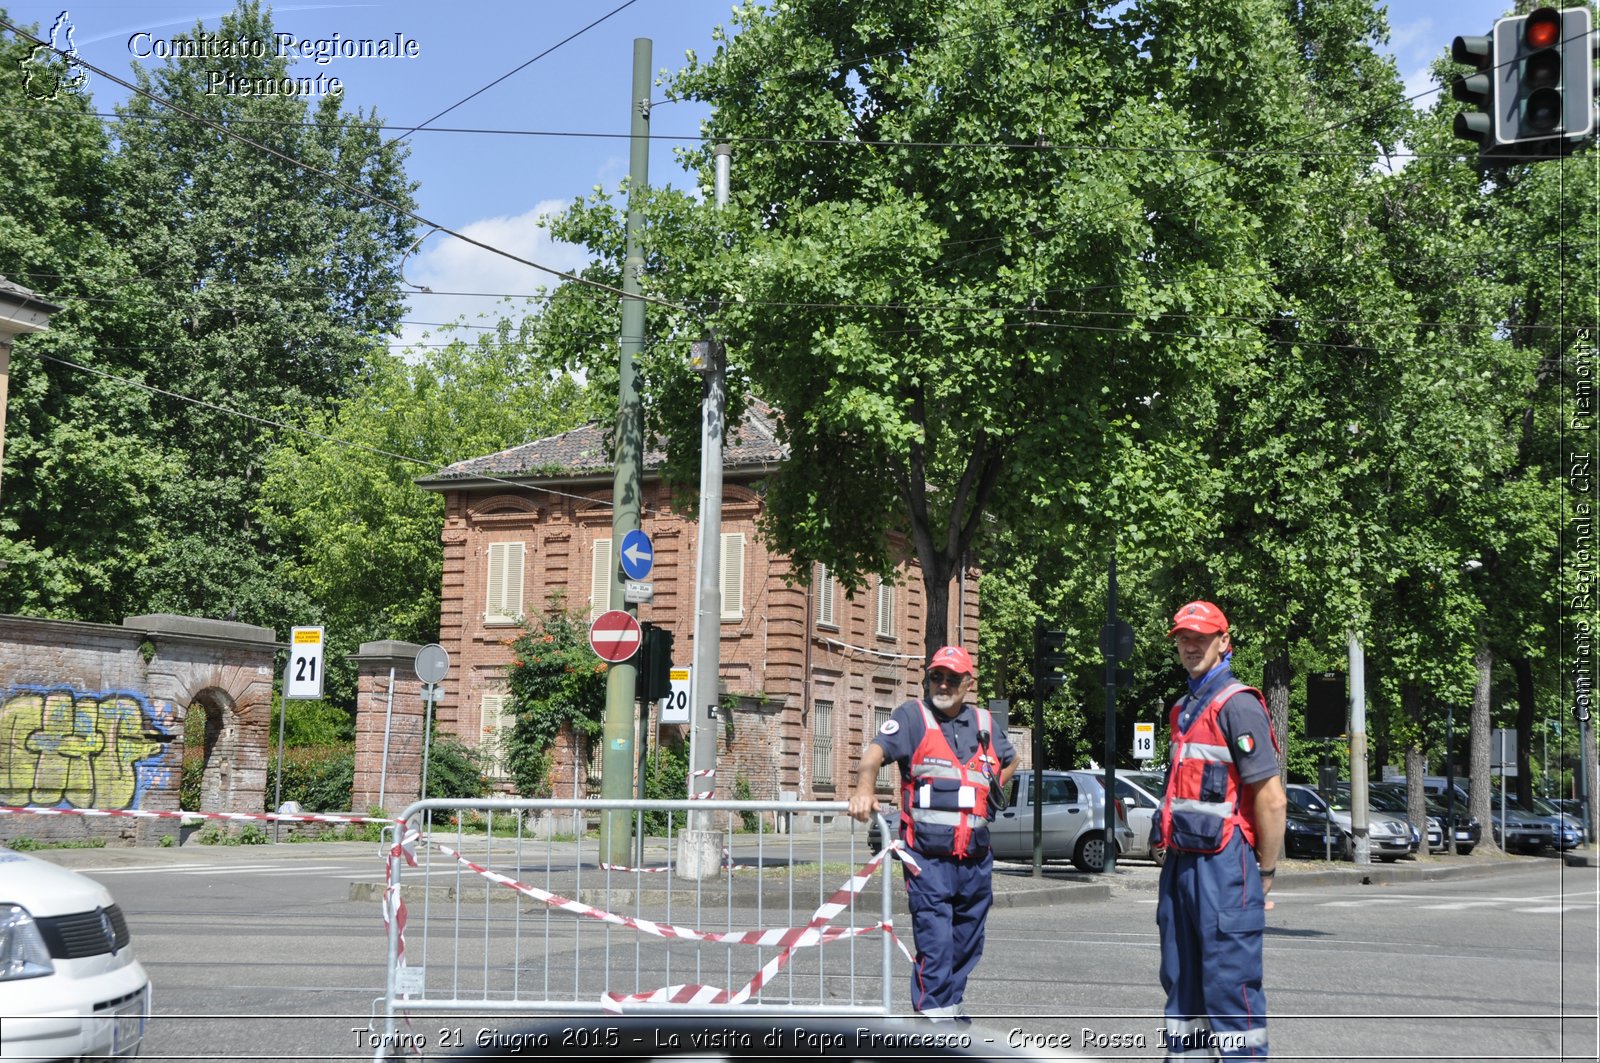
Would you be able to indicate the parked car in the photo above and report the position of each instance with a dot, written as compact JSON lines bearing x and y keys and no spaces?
{"x":1566,"y":831}
{"x":1304,"y":836}
{"x":1383,"y":799}
{"x":69,"y":985}
{"x":1469,"y":831}
{"x":1141,"y":804}
{"x":1388,"y":838}
{"x":1520,"y":829}
{"x":1073,"y":820}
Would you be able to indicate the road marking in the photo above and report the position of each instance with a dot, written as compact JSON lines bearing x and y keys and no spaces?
{"x":1457,"y":905}
{"x":1364,"y":903}
{"x":1557,"y":908}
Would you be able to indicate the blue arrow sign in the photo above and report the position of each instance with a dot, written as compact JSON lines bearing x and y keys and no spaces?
{"x":637,"y":554}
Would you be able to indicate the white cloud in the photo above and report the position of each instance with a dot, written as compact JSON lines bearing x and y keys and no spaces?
{"x":451,"y":268}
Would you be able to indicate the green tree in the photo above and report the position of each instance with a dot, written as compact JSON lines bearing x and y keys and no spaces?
{"x":264,"y":287}
{"x":368,"y":560}
{"x":554,"y":683}
{"x":954,"y":313}
{"x":82,"y":463}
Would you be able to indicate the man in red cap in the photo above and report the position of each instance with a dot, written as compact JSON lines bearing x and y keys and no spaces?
{"x":1222,"y":824}
{"x":951,"y":759}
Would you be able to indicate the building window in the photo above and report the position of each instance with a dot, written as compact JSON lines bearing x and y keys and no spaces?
{"x":733,"y":576}
{"x":822,"y":743}
{"x":825,"y":587}
{"x":880,"y":716}
{"x":600,"y":579}
{"x":495,"y":720}
{"x":503,"y":599}
{"x":883,"y":623}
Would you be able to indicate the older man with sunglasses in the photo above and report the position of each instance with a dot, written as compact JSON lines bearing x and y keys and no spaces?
{"x":952,"y":762}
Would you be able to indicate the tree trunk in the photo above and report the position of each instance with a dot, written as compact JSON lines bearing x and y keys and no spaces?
{"x":936,"y":598}
{"x":1275,"y":678}
{"x":1586,"y":749}
{"x":1524,"y":671}
{"x":1416,"y":807}
{"x":1482,"y":726}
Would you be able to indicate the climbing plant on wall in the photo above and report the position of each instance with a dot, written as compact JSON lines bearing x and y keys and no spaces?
{"x":554,"y":680}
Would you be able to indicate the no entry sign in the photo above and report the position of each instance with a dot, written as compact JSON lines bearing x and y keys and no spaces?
{"x":614,"y":636}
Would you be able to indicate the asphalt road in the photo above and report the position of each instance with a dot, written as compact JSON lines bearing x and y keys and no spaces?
{"x":260,"y":953}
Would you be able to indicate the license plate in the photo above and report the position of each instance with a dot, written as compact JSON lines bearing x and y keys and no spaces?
{"x":1463,"y":836}
{"x":128,"y":1027}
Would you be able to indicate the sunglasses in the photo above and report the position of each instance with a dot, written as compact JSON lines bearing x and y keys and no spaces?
{"x":944,"y":678}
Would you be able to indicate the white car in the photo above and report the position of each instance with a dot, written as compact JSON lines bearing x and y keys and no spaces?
{"x":69,"y":985}
{"x":1140,"y":793}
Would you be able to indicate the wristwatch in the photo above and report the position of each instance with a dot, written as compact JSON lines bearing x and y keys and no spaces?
{"x":1268,"y":872}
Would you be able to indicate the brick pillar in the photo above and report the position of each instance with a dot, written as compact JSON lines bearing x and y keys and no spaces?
{"x":402,"y":783}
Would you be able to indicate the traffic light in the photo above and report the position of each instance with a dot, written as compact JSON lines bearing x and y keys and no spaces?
{"x":1544,"y":81}
{"x":1049,"y":657}
{"x":655,"y":663}
{"x":1476,"y":89}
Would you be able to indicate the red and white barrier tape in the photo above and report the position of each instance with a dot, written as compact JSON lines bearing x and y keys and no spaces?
{"x":141,"y":813}
{"x":704,"y":773}
{"x":815,"y":932}
{"x":793,"y":938}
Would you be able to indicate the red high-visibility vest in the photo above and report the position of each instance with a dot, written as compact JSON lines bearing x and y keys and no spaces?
{"x":1202,"y":806}
{"x":944,"y":803}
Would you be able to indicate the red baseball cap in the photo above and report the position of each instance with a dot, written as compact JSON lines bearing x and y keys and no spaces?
{"x":952,"y":659}
{"x":1199,"y":616}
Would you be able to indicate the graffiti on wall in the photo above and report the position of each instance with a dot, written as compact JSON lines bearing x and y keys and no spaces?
{"x":72,"y":748}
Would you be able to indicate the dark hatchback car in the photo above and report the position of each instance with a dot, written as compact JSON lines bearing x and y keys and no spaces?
{"x":1303,"y":837}
{"x":1468,"y":830}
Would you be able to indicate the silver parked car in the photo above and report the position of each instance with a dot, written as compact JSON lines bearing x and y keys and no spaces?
{"x":1073,"y":817}
{"x":1389,"y":838}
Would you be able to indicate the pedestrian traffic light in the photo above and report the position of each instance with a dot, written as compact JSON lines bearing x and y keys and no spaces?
{"x":1049,"y":656}
{"x":1476,"y":89}
{"x":1544,"y":81}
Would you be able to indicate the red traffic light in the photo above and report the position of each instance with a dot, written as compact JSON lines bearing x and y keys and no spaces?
{"x":1543,"y":28}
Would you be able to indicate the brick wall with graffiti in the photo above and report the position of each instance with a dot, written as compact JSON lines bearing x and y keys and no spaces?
{"x":92,"y":716}
{"x":82,"y":748}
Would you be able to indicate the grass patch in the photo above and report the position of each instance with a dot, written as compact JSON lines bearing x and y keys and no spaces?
{"x":33,"y":845}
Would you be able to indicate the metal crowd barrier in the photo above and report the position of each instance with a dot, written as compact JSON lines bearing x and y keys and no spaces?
{"x":520,"y":917}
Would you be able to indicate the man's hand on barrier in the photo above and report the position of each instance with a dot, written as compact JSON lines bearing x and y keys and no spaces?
{"x":862,"y":806}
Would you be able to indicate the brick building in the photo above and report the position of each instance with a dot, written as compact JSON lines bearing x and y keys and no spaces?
{"x":810,"y":671}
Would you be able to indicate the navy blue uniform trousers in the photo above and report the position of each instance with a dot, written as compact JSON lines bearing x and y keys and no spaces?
{"x":949,"y":903}
{"x":1212,"y":917}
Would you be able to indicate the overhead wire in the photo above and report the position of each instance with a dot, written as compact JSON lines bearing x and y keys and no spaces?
{"x":342,"y":183}
{"x":474,"y":95}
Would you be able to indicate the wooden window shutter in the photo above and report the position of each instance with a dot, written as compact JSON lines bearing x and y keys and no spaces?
{"x":825,"y":584}
{"x":503,"y":600}
{"x":733,"y":576}
{"x":600,"y":578}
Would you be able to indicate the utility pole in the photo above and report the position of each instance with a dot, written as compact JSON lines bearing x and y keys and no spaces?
{"x":699,"y":855}
{"x":616,"y":763}
{"x":1358,"y":751}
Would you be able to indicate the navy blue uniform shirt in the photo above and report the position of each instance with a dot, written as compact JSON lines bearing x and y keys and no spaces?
{"x":902,"y":733}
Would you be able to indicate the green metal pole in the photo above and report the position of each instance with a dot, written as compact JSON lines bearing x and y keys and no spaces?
{"x":616,"y":763}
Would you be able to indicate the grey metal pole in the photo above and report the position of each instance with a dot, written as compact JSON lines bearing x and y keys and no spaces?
{"x":388,"y":717}
{"x":1110,"y":780}
{"x":698,"y":852}
{"x":1358,"y":751}
{"x":430,"y":695}
{"x":616,"y":764}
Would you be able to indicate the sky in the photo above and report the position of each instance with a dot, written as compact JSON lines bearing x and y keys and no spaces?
{"x":570,"y":106}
